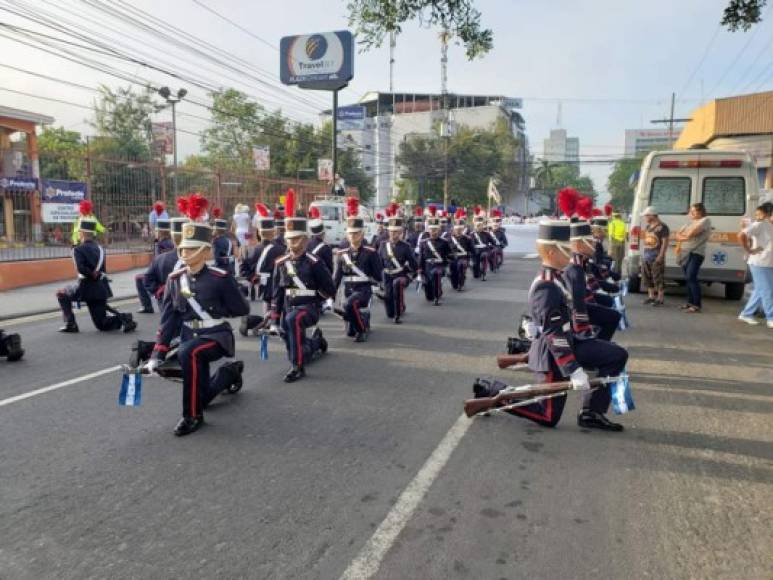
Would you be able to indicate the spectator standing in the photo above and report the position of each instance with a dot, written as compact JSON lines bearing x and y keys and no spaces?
{"x":157,"y":212}
{"x":757,"y":241}
{"x":691,"y":251}
{"x":617,"y":234}
{"x":653,"y":265}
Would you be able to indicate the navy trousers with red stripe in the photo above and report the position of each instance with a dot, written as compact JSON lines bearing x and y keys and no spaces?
{"x":394,"y":295}
{"x":480,"y":261}
{"x":457,"y":272}
{"x":607,"y":319}
{"x":356,"y":319}
{"x":294,"y":323}
{"x":97,"y":309}
{"x":433,"y":282}
{"x":199,"y":388}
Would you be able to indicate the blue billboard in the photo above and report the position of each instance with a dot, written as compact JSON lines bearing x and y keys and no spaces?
{"x":322,"y":61}
{"x":351,"y":118}
{"x":60,"y":191}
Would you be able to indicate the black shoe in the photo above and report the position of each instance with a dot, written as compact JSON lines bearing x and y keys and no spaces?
{"x":594,"y":420}
{"x":397,"y":320}
{"x":648,"y":301}
{"x":295,"y":373}
{"x":128,"y":323}
{"x":317,"y":335}
{"x":188,"y":425}
{"x":236,"y":368}
{"x":248,"y":323}
{"x":12,"y":349}
{"x":437,"y":302}
{"x":361,"y":337}
{"x":481,"y":388}
{"x":148,"y":310}
{"x":71,"y":328}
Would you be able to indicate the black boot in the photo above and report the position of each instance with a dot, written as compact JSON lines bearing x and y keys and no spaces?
{"x":481,"y":388}
{"x":70,"y":327}
{"x":593,"y":420}
{"x":397,"y":320}
{"x":361,"y":337}
{"x":317,"y":337}
{"x":145,"y":310}
{"x":437,"y":302}
{"x":295,"y":373}
{"x":248,"y":323}
{"x":236,"y":369}
{"x":10,"y":347}
{"x":128,"y":323}
{"x":188,"y":425}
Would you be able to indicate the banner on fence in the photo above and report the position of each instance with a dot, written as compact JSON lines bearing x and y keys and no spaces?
{"x":60,"y":199}
{"x":18,"y":183}
{"x":261,"y":155}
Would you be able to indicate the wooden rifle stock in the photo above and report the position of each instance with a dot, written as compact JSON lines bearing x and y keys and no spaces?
{"x":507,"y":360}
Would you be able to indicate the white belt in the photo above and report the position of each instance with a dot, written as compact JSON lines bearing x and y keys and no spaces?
{"x":264,"y":276}
{"x":394,"y":271}
{"x":481,"y":246}
{"x":198,"y":324}
{"x":435,"y":261}
{"x":460,"y":255}
{"x":356,"y":279}
{"x":297,"y":292}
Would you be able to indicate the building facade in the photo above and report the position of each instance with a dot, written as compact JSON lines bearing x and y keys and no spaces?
{"x":559,"y":148}
{"x":639,"y":142}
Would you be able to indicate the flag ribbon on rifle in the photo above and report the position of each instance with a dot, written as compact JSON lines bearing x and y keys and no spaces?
{"x":131,"y":389}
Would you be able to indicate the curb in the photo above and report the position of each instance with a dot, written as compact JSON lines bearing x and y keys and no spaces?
{"x":26,"y":313}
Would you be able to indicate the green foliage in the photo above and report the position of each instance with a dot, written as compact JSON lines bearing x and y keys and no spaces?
{"x":742,"y":14}
{"x":618,"y":183}
{"x":374,"y":19}
{"x":61,"y":154}
{"x":122,"y":119}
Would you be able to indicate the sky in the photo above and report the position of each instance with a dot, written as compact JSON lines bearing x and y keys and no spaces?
{"x":612,"y":65}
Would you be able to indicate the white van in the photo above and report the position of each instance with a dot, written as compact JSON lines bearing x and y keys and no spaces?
{"x":725,"y":182}
{"x":332,"y":210}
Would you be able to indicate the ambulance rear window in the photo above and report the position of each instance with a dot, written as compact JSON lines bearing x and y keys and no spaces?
{"x":724,"y":195}
{"x":671,"y":195}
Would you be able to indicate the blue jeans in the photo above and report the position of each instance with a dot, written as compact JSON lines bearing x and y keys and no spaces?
{"x":762,"y":295}
{"x":691,"y":268}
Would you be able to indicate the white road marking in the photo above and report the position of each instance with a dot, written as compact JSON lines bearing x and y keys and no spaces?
{"x":368,"y":561}
{"x":531,"y":256}
{"x":61,"y":385}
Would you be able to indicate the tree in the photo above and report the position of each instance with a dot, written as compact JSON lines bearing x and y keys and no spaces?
{"x":236,"y":127}
{"x":122,"y":119}
{"x":61,"y":154}
{"x":619,"y":183}
{"x":742,"y":14}
{"x":543,"y":174}
{"x":374,"y":19}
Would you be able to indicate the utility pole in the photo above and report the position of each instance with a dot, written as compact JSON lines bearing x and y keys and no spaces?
{"x":671,"y":120}
{"x":444,"y":131}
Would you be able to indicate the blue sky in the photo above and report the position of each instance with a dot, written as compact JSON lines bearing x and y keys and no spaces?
{"x":612,"y":64}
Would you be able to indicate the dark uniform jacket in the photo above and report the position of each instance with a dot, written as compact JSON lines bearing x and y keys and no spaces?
{"x":163,"y":245}
{"x":501,"y":237}
{"x":158,"y":272}
{"x":550,"y":309}
{"x":461,"y":246}
{"x":414,"y":239}
{"x":366,"y":260}
{"x":223,"y":253}
{"x":89,"y":259}
{"x":217,"y":294}
{"x":482,"y":241}
{"x":318,"y":247}
{"x":300,"y":282}
{"x":401,"y":262}
{"x":379,"y":239}
{"x":439,"y":257}
{"x":264,"y":278}
{"x":574,"y":275}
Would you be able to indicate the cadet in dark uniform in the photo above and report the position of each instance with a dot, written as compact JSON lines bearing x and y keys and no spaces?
{"x":10,"y":346}
{"x":154,"y":278}
{"x":461,"y":250}
{"x":399,"y":266}
{"x":317,"y":246}
{"x":556,"y":352}
{"x":381,"y":234}
{"x":258,"y":266}
{"x":162,"y":245}
{"x":301,"y":283}
{"x":279,"y":220}
{"x":93,"y":287}
{"x":222,"y":245}
{"x":196,"y":301}
{"x":415,"y":236}
{"x":482,"y":243}
{"x":434,"y":253}
{"x":358,"y":267}
{"x":499,"y":236}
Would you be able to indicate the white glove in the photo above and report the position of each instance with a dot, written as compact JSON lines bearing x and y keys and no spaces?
{"x":151,"y":366}
{"x":273,"y":329}
{"x":328,"y":304}
{"x":579,"y":380}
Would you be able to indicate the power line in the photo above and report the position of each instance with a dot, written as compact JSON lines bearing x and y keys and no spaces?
{"x":702,"y":59}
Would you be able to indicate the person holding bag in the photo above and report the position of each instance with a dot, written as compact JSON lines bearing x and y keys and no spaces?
{"x":691,"y":251}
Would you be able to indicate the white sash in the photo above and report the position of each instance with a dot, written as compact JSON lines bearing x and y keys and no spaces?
{"x":294,"y":275}
{"x":185,"y":289}
{"x":433,"y":250}
{"x":391,"y":255}
{"x":353,"y":266}
{"x":262,"y":259}
{"x":458,"y":245}
{"x":318,"y":248}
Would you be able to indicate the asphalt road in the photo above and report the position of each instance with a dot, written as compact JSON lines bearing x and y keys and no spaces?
{"x":367,"y":468}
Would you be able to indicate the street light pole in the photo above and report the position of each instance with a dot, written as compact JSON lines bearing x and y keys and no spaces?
{"x":167,"y":95}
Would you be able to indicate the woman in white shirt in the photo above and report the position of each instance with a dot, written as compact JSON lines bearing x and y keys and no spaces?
{"x":757,"y":240}
{"x":241,"y":223}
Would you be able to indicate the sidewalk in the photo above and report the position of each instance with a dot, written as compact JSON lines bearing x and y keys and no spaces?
{"x":40,"y":299}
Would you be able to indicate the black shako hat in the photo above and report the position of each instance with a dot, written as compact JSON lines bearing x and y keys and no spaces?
{"x":554,"y":232}
{"x":580,"y":230}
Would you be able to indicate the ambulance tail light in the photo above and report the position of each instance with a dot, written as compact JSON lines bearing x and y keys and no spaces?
{"x":700,"y":163}
{"x":635,"y":233}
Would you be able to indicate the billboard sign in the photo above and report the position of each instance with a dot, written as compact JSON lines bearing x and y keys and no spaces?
{"x":60,"y":199}
{"x":261,"y":155}
{"x":325,"y":169}
{"x":163,"y":138}
{"x":18,"y":183}
{"x":351,"y":118}
{"x":321,"y":61}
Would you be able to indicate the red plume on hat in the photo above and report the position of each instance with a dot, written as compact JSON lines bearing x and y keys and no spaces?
{"x":395,"y":208}
{"x":290,"y":203}
{"x":389,"y":211}
{"x":159,"y":207}
{"x":496,"y":212}
{"x":477,"y":209}
{"x":197,"y":206}
{"x":584,"y":207}
{"x":314,"y":213}
{"x":432,"y":209}
{"x":85,"y":207}
{"x":182,"y":205}
{"x":567,"y":201}
{"x":217,"y":212}
{"x":278,"y":215}
{"x":261,"y":209}
{"x":379,"y":216}
{"x":418,"y":211}
{"x":608,"y":209}
{"x":352,"y":207}
{"x":596,"y":212}
{"x":460,"y":213}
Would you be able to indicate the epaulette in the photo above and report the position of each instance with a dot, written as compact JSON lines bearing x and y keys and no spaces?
{"x":178,"y":272}
{"x":312,"y":257}
{"x":281,"y":259}
{"x":217,"y":271}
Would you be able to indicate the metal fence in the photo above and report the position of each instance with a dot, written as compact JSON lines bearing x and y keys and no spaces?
{"x":123,"y":193}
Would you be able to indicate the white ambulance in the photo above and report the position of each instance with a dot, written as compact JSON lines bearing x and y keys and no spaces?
{"x":332,"y":210}
{"x":725,"y":182}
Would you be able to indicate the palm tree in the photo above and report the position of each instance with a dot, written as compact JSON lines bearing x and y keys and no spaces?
{"x":543,"y":174}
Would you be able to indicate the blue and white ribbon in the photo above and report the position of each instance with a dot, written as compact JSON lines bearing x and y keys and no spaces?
{"x":263,"y":347}
{"x":131,"y":390}
{"x":624,"y":323}
{"x":622,"y":397}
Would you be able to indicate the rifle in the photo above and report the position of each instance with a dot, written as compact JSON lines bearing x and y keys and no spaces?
{"x":510,"y":360}
{"x":533,"y":393}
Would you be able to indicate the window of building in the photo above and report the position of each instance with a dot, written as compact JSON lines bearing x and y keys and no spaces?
{"x":671,"y":195}
{"x":724,"y":195}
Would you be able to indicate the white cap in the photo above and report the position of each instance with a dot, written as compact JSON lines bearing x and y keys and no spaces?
{"x":649,"y":210}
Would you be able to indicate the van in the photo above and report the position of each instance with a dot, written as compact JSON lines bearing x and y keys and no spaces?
{"x":332,"y":211}
{"x":725,"y":182}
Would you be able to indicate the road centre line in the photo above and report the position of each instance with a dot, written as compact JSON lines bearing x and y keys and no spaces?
{"x":368,"y":561}
{"x":61,"y":385}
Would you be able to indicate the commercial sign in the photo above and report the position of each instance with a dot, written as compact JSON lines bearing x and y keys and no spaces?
{"x":60,"y":199}
{"x":351,"y":118}
{"x":261,"y":155}
{"x":18,"y":183}
{"x":325,"y":169}
{"x":322,"y":61}
{"x":163,"y":138}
